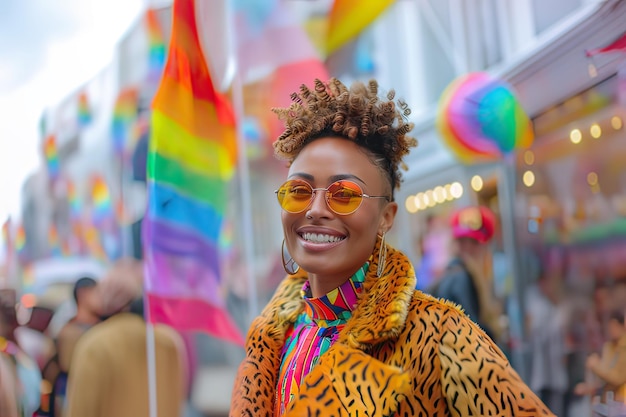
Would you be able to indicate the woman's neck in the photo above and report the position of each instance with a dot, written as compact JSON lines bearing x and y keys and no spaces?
{"x":320,"y":286}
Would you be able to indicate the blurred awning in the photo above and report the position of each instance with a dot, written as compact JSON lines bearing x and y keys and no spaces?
{"x":51,"y":271}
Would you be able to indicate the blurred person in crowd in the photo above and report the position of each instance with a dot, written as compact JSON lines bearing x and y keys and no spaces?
{"x":579,"y":317}
{"x":9,"y":387}
{"x":109,"y":370}
{"x":546,"y":326}
{"x":87,"y":314}
{"x":433,"y":248}
{"x":34,"y":336}
{"x":26,"y":368}
{"x":618,"y":294}
{"x":608,"y":367}
{"x":346,"y":332}
{"x":468,"y":279}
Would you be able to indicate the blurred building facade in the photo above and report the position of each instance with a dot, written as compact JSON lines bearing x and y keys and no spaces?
{"x":417,"y":47}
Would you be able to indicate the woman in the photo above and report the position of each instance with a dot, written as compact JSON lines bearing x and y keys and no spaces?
{"x":346,"y":333}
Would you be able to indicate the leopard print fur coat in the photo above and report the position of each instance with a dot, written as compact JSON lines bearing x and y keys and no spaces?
{"x":402,"y":353}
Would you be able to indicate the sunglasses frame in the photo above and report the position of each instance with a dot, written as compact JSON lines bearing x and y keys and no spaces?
{"x":327,"y":196}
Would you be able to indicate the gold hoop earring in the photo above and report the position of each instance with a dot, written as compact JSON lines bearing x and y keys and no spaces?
{"x":382,"y":256}
{"x":290,"y":266}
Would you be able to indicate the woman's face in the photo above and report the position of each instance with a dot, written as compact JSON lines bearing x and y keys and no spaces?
{"x":332,"y":261}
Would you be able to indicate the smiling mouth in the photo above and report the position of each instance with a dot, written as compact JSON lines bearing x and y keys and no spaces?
{"x":321,"y":238}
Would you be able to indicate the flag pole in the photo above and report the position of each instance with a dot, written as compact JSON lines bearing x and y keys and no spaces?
{"x":152,"y":376}
{"x":243,"y":169}
{"x":150,"y":338}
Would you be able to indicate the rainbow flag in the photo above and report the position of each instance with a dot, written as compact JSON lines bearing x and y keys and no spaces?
{"x":53,"y":241}
{"x":6,"y":238}
{"x":191,"y":159}
{"x":84,"y":110}
{"x":101,"y":199}
{"x":6,"y":226}
{"x":20,"y":238}
{"x":93,"y":241}
{"x":348,"y":18}
{"x":28,"y":278}
{"x":156,"y":45}
{"x":73,"y":201}
{"x":124,"y":117}
{"x":52,"y":156}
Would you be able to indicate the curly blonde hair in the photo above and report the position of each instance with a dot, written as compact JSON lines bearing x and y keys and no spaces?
{"x":357,"y":113}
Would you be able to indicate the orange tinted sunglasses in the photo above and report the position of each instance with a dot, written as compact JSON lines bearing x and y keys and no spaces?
{"x":342,"y":197}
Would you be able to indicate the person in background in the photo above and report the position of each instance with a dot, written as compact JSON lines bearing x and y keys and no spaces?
{"x":546,"y":325}
{"x":609,"y":367}
{"x":26,"y":369}
{"x":468,"y":278}
{"x":346,"y":332}
{"x":433,"y":248}
{"x":9,"y":387}
{"x":109,"y":374}
{"x":87,"y":314}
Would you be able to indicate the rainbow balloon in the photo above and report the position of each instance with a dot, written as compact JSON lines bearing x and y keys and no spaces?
{"x":480,"y":119}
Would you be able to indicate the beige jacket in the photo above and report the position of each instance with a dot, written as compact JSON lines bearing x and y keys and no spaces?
{"x":110,"y":376}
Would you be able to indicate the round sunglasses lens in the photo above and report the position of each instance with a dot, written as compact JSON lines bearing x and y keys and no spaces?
{"x":294,"y":196}
{"x":344,"y":197}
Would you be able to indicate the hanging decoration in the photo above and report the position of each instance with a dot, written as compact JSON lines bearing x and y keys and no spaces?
{"x":617,"y":46}
{"x":20,"y":238}
{"x":73,"y":201}
{"x":52,"y":157}
{"x":84,"y":110}
{"x":93,"y":242}
{"x":156,"y":46}
{"x":75,"y":241}
{"x":102,"y":234}
{"x":54,"y":244}
{"x":124,"y":118}
{"x":101,"y":200}
{"x":481,"y":120}
{"x":348,"y":18}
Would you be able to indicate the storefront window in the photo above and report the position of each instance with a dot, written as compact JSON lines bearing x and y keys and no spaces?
{"x":548,"y":13}
{"x":571,"y":228}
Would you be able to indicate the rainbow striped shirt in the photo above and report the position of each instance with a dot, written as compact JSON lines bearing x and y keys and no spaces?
{"x":315,"y":330}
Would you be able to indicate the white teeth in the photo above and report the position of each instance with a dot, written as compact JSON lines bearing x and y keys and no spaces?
{"x":319,"y":238}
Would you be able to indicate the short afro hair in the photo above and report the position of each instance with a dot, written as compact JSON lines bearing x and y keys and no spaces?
{"x":377,"y":124}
